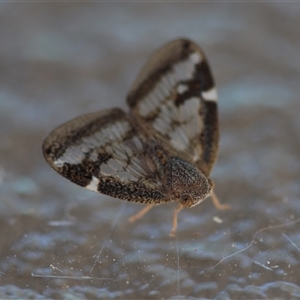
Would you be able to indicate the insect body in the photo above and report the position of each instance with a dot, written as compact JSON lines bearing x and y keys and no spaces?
{"x":162,"y":150}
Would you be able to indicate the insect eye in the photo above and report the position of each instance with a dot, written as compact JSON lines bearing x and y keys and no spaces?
{"x":185,"y":198}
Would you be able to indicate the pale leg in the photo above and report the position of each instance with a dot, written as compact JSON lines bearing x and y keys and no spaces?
{"x":140,"y":213}
{"x":176,"y":211}
{"x":217,"y":203}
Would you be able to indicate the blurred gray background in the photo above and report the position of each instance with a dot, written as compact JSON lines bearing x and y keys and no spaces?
{"x":60,"y":241}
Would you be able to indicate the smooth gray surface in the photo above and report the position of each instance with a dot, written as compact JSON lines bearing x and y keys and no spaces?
{"x":60,"y":60}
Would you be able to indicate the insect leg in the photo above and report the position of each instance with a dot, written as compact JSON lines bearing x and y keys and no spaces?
{"x":140,"y":214}
{"x":176,"y":211}
{"x":217,"y":203}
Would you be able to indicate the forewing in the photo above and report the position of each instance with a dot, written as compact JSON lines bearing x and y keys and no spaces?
{"x":105,"y":152}
{"x":174,"y":96}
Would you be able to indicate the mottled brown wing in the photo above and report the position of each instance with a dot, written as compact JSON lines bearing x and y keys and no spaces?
{"x":175,"y":98}
{"x":106,"y":153}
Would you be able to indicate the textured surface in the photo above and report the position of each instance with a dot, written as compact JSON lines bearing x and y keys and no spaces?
{"x":58,"y":240}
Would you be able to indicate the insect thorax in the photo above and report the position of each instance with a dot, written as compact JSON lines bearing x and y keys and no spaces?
{"x":188,"y":185}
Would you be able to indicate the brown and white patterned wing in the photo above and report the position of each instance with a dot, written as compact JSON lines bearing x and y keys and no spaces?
{"x":104,"y":152}
{"x":174,"y":95}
